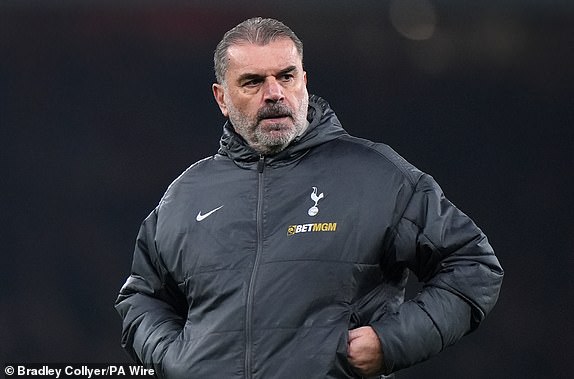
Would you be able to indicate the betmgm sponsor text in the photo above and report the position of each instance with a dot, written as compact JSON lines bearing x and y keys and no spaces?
{"x":311,"y":228}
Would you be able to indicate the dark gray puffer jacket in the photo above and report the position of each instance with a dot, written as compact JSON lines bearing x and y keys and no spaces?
{"x":256,"y":267}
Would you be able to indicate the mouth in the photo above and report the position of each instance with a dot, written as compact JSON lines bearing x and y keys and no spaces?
{"x":272,"y":115}
{"x":276,"y":122}
{"x":275,"y":118}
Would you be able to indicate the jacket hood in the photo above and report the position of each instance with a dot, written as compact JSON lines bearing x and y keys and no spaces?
{"x":323,"y":126}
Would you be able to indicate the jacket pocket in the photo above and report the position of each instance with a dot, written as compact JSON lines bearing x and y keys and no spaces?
{"x":342,"y":367}
{"x":217,"y":355}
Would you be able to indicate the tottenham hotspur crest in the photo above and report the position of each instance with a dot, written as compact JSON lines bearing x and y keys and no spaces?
{"x":314,"y":210}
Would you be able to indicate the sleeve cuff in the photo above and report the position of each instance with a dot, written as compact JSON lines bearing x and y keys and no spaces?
{"x":407,"y":336}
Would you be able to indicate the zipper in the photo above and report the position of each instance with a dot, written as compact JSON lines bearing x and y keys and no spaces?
{"x":251,"y":289}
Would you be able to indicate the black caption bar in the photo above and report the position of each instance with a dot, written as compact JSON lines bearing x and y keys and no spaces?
{"x":77,"y":370}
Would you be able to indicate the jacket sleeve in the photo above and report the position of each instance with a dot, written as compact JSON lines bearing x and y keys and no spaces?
{"x":152,"y":307}
{"x":461,"y":275}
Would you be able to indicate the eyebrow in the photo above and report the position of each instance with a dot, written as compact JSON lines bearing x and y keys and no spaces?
{"x":288,"y":70}
{"x":251,"y":76}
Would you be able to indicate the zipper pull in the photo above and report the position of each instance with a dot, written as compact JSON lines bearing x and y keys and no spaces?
{"x":261,"y":163}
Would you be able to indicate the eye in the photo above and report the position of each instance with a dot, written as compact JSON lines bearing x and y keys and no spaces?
{"x":287,"y":77}
{"x":251,"y":83}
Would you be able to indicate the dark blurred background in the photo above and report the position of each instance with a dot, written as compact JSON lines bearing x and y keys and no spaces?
{"x":104,"y":103}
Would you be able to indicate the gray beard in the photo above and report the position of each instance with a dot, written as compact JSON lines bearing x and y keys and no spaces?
{"x":261,"y":140}
{"x":269,"y":144}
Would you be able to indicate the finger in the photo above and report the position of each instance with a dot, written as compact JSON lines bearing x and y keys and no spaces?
{"x":355,"y":349}
{"x":353,"y":334}
{"x":356,"y":333}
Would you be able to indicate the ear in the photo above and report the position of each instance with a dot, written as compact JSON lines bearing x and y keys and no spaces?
{"x":305,"y":77}
{"x":219,"y":94}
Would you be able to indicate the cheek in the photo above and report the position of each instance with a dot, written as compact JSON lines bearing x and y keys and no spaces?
{"x":249,"y":108}
{"x":245,"y":111}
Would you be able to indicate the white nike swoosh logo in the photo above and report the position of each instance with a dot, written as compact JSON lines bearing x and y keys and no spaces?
{"x":201,"y":217}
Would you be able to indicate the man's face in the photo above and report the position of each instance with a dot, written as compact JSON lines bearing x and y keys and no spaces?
{"x":265,"y":94}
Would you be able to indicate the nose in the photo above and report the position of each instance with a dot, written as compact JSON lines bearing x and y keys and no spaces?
{"x":273,"y":90}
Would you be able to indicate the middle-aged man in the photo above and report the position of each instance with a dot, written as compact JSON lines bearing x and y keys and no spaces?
{"x":286,"y":254}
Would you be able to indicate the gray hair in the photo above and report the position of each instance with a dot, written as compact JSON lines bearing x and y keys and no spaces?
{"x":260,"y":31}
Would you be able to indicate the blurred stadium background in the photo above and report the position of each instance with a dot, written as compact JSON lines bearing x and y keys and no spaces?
{"x":103,"y":103}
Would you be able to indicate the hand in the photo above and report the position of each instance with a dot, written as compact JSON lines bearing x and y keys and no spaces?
{"x":364,"y":351}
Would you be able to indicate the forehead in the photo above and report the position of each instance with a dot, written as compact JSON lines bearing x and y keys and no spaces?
{"x":274,"y":56}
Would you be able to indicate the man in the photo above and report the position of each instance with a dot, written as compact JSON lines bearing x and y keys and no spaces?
{"x":286,"y":254}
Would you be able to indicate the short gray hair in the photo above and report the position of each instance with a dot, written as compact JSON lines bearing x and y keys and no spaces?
{"x":259,"y":31}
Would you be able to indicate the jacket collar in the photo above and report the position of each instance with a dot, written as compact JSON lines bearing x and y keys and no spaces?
{"x":323,"y":126}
